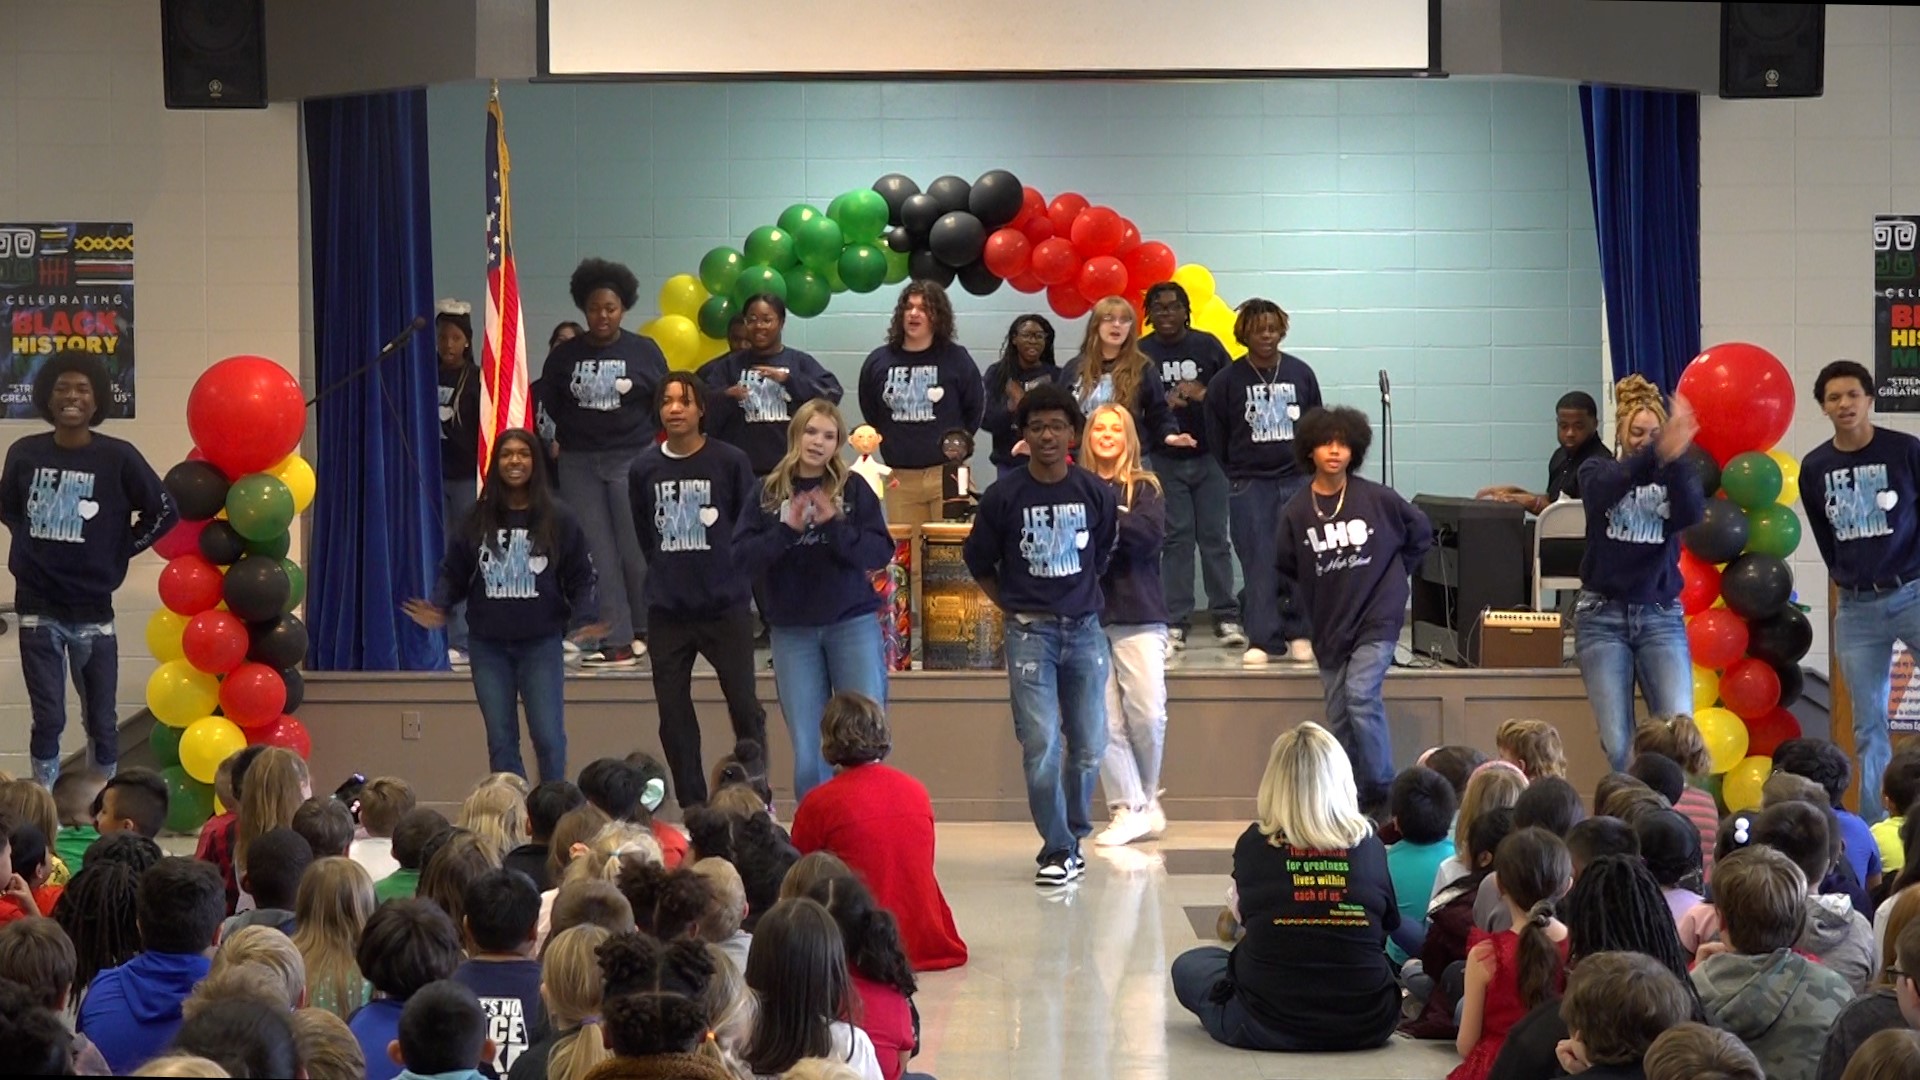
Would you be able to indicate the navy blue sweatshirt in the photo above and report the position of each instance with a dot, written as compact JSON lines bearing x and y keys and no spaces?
{"x":686,"y":510}
{"x":77,"y":517}
{"x":999,"y":418}
{"x":460,"y":423}
{"x":601,"y":397}
{"x":1132,"y":580}
{"x":1860,"y":506}
{"x":1352,"y":567}
{"x":514,"y":588}
{"x":1196,"y":357}
{"x":817,"y":577}
{"x":913,"y":398}
{"x":1149,"y":404}
{"x":1045,"y":544}
{"x":1250,"y":416}
{"x":758,"y":422}
{"x":1635,"y":511}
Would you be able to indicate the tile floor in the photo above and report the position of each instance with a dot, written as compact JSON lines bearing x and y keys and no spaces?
{"x":1073,"y":983}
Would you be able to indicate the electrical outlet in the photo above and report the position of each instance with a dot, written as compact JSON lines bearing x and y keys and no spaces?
{"x":410,"y":725}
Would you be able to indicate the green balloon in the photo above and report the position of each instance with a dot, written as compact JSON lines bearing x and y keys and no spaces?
{"x":273,"y":547}
{"x":807,"y":292}
{"x":259,"y":506}
{"x":716,"y":313}
{"x":862,"y":215}
{"x":720,"y":268}
{"x":1773,"y":530}
{"x":834,"y":280}
{"x":863,"y":267}
{"x":299,"y":579}
{"x":772,"y":246}
{"x":1751,"y":480}
{"x":818,"y":243}
{"x":794,"y":217}
{"x":164,"y":741}
{"x":756,"y":279}
{"x":189,"y":802}
{"x":899,"y":265}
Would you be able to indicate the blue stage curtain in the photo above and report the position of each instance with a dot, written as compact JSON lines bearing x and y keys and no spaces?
{"x":1643,"y":161}
{"x":376,"y":528}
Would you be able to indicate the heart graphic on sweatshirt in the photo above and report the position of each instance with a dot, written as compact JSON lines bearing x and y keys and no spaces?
{"x":1293,"y":412}
{"x":537,"y":564}
{"x":1886,"y":500}
{"x":935,"y":393}
{"x":86,"y":508}
{"x":623,"y":385}
{"x":446,"y":413}
{"x":709,"y":515}
{"x":1080,"y":539}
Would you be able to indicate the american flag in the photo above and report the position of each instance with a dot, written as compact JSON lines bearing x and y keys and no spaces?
{"x":504,"y":399}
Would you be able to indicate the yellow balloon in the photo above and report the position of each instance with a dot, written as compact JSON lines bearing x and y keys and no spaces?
{"x":712,"y":348}
{"x":1725,"y":735}
{"x":682,"y":295}
{"x":294,"y":472}
{"x":1744,"y":781}
{"x":1198,"y":281}
{"x":679,"y":339}
{"x":179,"y":694}
{"x":1706,"y":688}
{"x":1789,"y":475}
{"x":164,"y":628}
{"x":209,"y":741}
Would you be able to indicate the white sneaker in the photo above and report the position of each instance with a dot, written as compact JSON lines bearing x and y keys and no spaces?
{"x":457,"y":659}
{"x":1300,"y":651}
{"x":1230,"y":633}
{"x":1126,"y":827}
{"x":639,"y":649}
{"x":1176,"y":638}
{"x":1156,"y":820}
{"x":1254,"y":657}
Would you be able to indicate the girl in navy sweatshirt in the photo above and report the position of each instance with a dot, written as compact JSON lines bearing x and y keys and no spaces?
{"x":756,"y":388}
{"x":1111,"y":369}
{"x":914,"y":389}
{"x":1135,"y":620}
{"x":817,"y":537}
{"x":1627,"y":622}
{"x":1026,"y":361}
{"x":520,"y":563}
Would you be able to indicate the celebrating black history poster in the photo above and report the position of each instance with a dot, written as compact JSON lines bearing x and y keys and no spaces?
{"x":66,"y":286}
{"x":1896,"y":313}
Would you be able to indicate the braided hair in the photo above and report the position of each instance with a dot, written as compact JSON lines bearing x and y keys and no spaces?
{"x":668,"y":904}
{"x":1631,"y":396}
{"x":655,"y":992}
{"x":97,"y":912}
{"x":1617,"y":906}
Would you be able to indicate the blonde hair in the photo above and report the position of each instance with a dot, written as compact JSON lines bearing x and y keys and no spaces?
{"x":1677,"y":737}
{"x":809,"y":870}
{"x":617,"y":844}
{"x":1632,"y":396}
{"x":779,"y":483}
{"x":733,"y":1010}
{"x":241,"y":982}
{"x":1129,"y":365}
{"x":268,"y":948}
{"x":1493,"y":786}
{"x":1534,"y":745}
{"x":327,"y":1046}
{"x":820,"y":1069}
{"x":461,"y":861}
{"x":269,"y":796}
{"x":722,"y":920}
{"x":382,"y":803}
{"x":577,"y":826}
{"x":180,"y":1065}
{"x":1888,"y":1054}
{"x":506,"y":779}
{"x":31,"y":803}
{"x":1307,"y":797}
{"x":331,"y":909}
{"x":571,"y":987}
{"x":497,"y":814}
{"x":1127,"y":471}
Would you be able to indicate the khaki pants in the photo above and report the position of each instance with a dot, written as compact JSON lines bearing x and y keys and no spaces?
{"x":913,"y":496}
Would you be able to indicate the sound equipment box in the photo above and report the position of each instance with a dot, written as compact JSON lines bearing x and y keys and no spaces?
{"x":214,"y":53}
{"x":1772,"y":50}
{"x":1520,"y":639}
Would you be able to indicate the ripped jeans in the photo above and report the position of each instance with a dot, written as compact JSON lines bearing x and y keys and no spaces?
{"x":1057,"y":677}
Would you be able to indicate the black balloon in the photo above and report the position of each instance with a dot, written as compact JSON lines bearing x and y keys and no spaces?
{"x":1721,"y":535}
{"x":1756,"y":586}
{"x":895,"y":188}
{"x":1780,"y":638}
{"x":951,"y":192}
{"x":199,"y":490}
{"x":957,"y":238}
{"x":900,"y":238}
{"x":222,"y":544}
{"x":1704,"y":467}
{"x":995,"y":198}
{"x":281,"y":643}
{"x":1792,"y":683}
{"x":256,"y":588}
{"x":923,"y":266}
{"x":977,"y":279}
{"x":919,"y":213}
{"x":296,"y":689}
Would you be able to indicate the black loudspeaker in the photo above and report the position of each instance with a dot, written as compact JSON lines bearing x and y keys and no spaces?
{"x":215,"y":53}
{"x":1772,"y":50}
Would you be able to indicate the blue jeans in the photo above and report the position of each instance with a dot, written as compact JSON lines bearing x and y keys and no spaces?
{"x":1273,"y":614}
{"x":810,"y":665}
{"x":507,"y":674}
{"x":51,"y":651}
{"x":1357,"y":716}
{"x":1196,"y":491}
{"x":1864,"y":630}
{"x":1201,"y":975}
{"x":1617,"y":644}
{"x":1057,"y":676}
{"x":596,"y":491}
{"x":456,"y":502}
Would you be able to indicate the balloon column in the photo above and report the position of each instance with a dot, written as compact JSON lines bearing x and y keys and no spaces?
{"x":1745,"y":632}
{"x":983,"y":234}
{"x":227,"y":639}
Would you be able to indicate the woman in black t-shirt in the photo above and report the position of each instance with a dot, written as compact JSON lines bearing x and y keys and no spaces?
{"x":1310,"y":884}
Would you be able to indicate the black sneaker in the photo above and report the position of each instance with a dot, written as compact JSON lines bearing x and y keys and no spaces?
{"x":1058,"y":870}
{"x":620,"y":656}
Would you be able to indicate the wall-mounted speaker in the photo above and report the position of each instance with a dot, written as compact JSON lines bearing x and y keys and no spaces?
{"x":1772,"y":50}
{"x":214,"y":53}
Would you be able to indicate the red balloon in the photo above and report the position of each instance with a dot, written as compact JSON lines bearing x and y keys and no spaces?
{"x":246,"y":413}
{"x":1032,"y":205}
{"x":1007,"y":252}
{"x":1717,"y":637}
{"x":1101,"y":277}
{"x":1067,"y":302}
{"x":253,"y":695}
{"x":1039,"y":229}
{"x":190,"y":585}
{"x":1129,"y":237}
{"x":215,"y":642}
{"x":1751,"y":688}
{"x":1096,"y":231}
{"x":1054,"y":262}
{"x":1064,"y":208}
{"x":1766,"y":732}
{"x":1026,"y":282}
{"x":1149,"y":264}
{"x":1699,"y":583}
{"x":286,"y":733}
{"x":182,"y":539}
{"x":1743,"y":397}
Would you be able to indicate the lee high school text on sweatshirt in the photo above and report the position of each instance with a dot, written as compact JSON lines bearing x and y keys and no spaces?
{"x":1045,"y":544}
{"x":687,"y":510}
{"x":1352,"y":565}
{"x":1149,"y":405}
{"x":1251,"y":413}
{"x":1132,"y":581}
{"x":1860,"y":506}
{"x":758,"y":422}
{"x":913,"y":398}
{"x":1635,"y":511}
{"x":817,"y":576}
{"x":77,"y":517}
{"x":514,"y":588}
{"x":601,"y":396}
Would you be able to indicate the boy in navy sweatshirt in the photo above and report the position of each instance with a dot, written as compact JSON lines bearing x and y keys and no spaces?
{"x":1350,"y":546}
{"x":80,"y":506}
{"x":689,"y":495}
{"x":1860,"y":489}
{"x":917,"y":387}
{"x":1040,"y":542}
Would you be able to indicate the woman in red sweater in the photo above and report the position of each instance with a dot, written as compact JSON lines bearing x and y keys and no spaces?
{"x":880,"y":821}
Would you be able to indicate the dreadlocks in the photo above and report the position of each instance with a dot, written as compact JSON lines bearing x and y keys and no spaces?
{"x":1616,"y":906}
{"x":97,"y":912}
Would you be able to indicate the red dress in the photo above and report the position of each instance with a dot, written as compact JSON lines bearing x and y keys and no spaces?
{"x":1503,"y":1007}
{"x":879,"y":821}
{"x":887,"y":1018}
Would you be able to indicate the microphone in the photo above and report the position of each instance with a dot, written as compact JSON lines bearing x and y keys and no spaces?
{"x":1386,"y":387}
{"x":418,"y":324}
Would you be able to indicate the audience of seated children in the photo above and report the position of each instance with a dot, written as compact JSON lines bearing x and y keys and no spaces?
{"x":327,"y":1047}
{"x":33,"y":1041}
{"x":495,"y":812}
{"x":275,"y":862}
{"x":31,"y":804}
{"x":666,"y":903}
{"x":1835,"y":934}
{"x":656,"y":1016}
{"x":270,"y":790}
{"x":1598,"y":837}
{"x":1779,"y":1002}
{"x":36,"y":955}
{"x":570,"y":996}
{"x":1678,"y":738}
{"x":246,"y":1037}
{"x":264,"y":950}
{"x":416,"y":829}
{"x":1790,"y":787}
{"x":747,"y":838}
{"x":1617,"y":1003}
{"x":572,"y":833}
{"x":589,"y":903}
{"x":99,"y":910}
{"x":217,"y":832}
{"x":880,"y":821}
{"x":1534,"y":746}
{"x":327,"y":826}
{"x":1890,"y":1055}
{"x":798,"y":968}
{"x":132,"y":1011}
{"x":1493,"y":785}
{"x":1899,"y":789}
{"x":545,"y":804}
{"x":1829,"y":766}
{"x":746,"y":766}
{"x":1511,"y":971}
{"x":1438,"y":977}
{"x":1422,"y":804}
{"x":622,"y":790}
{"x":1892,"y":1004}
{"x":720,"y":926}
{"x":1671,"y":847}
{"x":443,"y":1035}
{"x":133,"y":800}
{"x":1549,"y":803}
{"x":883,"y":982}
{"x":732,"y":1012}
{"x":331,"y":909}
{"x":1699,"y":1052}
{"x":73,"y":795}
{"x":383,"y":803}
{"x":1456,"y":763}
{"x":406,"y":945}
{"x":28,"y":864}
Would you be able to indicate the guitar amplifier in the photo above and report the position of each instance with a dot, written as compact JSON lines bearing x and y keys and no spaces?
{"x":1520,"y":639}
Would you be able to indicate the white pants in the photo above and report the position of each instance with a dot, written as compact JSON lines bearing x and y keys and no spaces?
{"x":1136,"y":714}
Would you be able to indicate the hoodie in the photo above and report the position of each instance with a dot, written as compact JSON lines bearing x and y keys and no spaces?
{"x":1780,"y":1004}
{"x":132,"y":1012}
{"x":1841,"y":938}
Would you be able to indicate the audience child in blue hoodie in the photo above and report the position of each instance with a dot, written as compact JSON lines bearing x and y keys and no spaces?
{"x":406,"y":945}
{"x":132,"y":1011}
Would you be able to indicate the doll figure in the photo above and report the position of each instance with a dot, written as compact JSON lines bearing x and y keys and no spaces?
{"x":865,"y":441}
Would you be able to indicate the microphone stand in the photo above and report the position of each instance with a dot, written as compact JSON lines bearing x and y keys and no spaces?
{"x":1386,"y":429}
{"x":399,"y":341}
